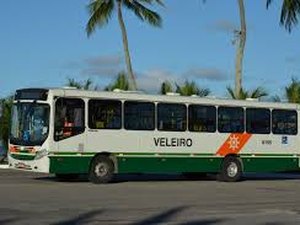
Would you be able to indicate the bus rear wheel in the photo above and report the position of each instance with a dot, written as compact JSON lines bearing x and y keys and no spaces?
{"x":231,"y":169}
{"x":102,"y":170}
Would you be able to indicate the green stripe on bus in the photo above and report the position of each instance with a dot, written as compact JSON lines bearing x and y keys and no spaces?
{"x":256,"y":164}
{"x":135,"y":154}
{"x":68,"y":164}
{"x":167,"y":164}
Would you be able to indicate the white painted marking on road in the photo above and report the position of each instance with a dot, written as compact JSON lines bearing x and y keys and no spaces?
{"x":4,"y":166}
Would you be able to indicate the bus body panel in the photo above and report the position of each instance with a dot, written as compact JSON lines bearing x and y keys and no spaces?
{"x":161,"y":151}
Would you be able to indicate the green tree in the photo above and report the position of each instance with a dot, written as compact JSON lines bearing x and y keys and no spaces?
{"x":84,"y":85}
{"x":290,"y":12}
{"x":244,"y":94}
{"x":292,"y":91}
{"x":166,"y":87}
{"x":101,"y":12}
{"x":191,"y":88}
{"x":5,"y":115}
{"x":121,"y":82}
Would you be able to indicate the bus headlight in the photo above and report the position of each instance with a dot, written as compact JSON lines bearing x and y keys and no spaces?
{"x":40,"y":154}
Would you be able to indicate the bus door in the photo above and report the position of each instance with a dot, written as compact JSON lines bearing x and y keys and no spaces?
{"x":69,"y":125}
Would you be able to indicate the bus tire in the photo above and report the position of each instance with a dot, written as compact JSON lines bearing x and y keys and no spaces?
{"x":102,"y":170}
{"x":231,"y":169}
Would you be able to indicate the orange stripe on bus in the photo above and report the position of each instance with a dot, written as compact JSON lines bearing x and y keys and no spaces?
{"x":234,"y":144}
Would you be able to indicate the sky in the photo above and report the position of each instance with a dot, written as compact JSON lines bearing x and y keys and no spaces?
{"x":43,"y":43}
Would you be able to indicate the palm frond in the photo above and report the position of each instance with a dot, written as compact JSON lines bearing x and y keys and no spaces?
{"x":292,"y":91}
{"x":87,"y":84}
{"x":166,"y":87}
{"x":121,"y":82}
{"x":71,"y":82}
{"x":231,"y":92}
{"x":290,"y":12}
{"x":84,"y":85}
{"x":258,"y":93}
{"x":159,"y":2}
{"x":244,"y":94}
{"x":143,"y":13}
{"x":191,"y":88}
{"x":268,"y":3}
{"x":275,"y":98}
{"x":100,"y":13}
{"x":202,"y":92}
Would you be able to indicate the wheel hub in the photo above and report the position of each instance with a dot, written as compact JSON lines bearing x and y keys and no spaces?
{"x":232,"y":169}
{"x":101,"y":169}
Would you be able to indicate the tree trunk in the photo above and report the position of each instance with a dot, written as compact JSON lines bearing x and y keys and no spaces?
{"x":132,"y":81}
{"x":240,"y":49}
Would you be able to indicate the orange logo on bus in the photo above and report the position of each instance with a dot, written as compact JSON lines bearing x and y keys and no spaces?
{"x":234,"y":144}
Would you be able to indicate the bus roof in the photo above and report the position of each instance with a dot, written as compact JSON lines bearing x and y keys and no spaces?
{"x":140,"y":96}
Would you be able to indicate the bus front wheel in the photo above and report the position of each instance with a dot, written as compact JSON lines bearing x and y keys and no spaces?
{"x":231,"y":169}
{"x":102,"y":170}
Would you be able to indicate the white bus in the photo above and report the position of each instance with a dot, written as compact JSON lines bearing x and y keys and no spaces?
{"x":70,"y":131}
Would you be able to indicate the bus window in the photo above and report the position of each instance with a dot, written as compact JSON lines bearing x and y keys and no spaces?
{"x":69,"y":118}
{"x":139,"y":115}
{"x":105,"y":114}
{"x":231,"y":119}
{"x":284,"y":122}
{"x":258,"y":121}
{"x":171,"y":117}
{"x":202,"y":118}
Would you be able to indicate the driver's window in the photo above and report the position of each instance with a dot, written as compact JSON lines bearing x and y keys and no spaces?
{"x":69,"y":118}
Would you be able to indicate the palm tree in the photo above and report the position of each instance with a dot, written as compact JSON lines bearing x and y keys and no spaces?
{"x":240,"y":41}
{"x":121,"y":82}
{"x":292,"y":91}
{"x":244,"y":94}
{"x":5,"y":106}
{"x":166,"y":87}
{"x":101,"y":12}
{"x":84,"y":85}
{"x":290,"y":12}
{"x":190,"y":88}
{"x":241,"y":36}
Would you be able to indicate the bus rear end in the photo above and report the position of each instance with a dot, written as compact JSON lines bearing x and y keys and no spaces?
{"x":28,"y":148}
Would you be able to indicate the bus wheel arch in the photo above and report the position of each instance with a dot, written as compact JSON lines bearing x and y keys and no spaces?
{"x":231,"y":169}
{"x":102,"y":168}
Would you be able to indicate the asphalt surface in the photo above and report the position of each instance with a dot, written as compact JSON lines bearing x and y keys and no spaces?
{"x":29,"y":198}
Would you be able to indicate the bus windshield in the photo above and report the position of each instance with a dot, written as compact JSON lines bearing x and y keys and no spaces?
{"x":30,"y":124}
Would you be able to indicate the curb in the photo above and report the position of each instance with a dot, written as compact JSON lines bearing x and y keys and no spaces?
{"x":5,"y":166}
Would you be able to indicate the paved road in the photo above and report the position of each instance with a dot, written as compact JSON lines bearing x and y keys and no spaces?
{"x":27,"y":198}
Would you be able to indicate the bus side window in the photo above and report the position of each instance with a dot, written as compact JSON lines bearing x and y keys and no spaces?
{"x":171,"y":117}
{"x":231,"y":119}
{"x":284,"y":122}
{"x":105,"y":114}
{"x":139,"y":115}
{"x":202,"y":118}
{"x":69,"y":118}
{"x":258,"y":121}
